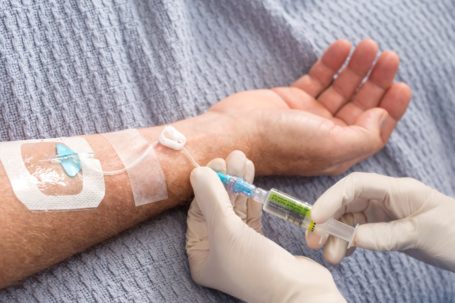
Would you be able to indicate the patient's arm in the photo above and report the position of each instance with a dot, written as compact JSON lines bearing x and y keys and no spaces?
{"x":34,"y":240}
{"x":305,"y":129}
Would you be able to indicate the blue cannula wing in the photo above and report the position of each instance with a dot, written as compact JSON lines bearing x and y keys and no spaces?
{"x":68,"y":159}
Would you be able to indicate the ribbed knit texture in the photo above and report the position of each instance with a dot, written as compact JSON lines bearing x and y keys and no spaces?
{"x":77,"y":67}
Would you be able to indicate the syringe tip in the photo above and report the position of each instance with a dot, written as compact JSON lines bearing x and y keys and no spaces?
{"x":223,"y":177}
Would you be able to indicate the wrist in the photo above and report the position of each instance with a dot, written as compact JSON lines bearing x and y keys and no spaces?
{"x":212,"y":135}
{"x":209,"y":136}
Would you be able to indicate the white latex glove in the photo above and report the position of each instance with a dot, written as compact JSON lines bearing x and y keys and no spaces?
{"x":227,"y":252}
{"x":395,"y":214}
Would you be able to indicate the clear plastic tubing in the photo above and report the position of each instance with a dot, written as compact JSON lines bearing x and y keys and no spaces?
{"x":288,"y":208}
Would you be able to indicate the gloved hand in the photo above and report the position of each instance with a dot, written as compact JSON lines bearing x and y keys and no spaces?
{"x":395,"y":214}
{"x":227,"y":252}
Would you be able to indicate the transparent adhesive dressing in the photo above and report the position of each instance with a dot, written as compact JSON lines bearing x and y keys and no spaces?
{"x":288,"y":208}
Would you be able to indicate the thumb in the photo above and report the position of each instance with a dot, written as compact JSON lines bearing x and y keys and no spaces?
{"x":373,"y":119}
{"x":395,"y":235}
{"x":211,"y":196}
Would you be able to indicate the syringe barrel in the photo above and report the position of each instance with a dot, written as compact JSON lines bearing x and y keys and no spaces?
{"x":299,"y":213}
{"x":288,"y":208}
{"x":336,"y":228}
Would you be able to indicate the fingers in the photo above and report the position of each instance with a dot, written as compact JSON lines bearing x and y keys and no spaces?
{"x":376,"y":125}
{"x":336,"y":249}
{"x":235,"y":163}
{"x":323,"y":71}
{"x":351,"y":194}
{"x":365,"y":197}
{"x":396,"y":235}
{"x":346,"y":84}
{"x":363,"y":138}
{"x":373,"y":90}
{"x":314,"y":240}
{"x":395,"y":102}
{"x":254,"y":209}
{"x":196,"y":232}
{"x":236,"y":166}
{"x":372,"y":120}
{"x":218,"y":164}
{"x":381,"y":75}
{"x":249,"y":171}
{"x":379,"y":81}
{"x":195,"y":219}
{"x":211,"y":196}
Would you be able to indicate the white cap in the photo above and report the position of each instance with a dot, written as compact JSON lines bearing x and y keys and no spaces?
{"x":172,"y":138}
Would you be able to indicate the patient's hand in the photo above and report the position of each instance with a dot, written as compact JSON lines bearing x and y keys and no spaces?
{"x":319,"y":125}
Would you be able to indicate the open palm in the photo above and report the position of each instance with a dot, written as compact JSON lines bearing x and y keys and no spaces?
{"x":338,"y":114}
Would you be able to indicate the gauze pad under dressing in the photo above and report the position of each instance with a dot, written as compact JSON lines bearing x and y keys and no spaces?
{"x":26,"y":186}
{"x":138,"y":156}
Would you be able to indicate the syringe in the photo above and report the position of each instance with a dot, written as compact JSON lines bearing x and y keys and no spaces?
{"x":288,"y":208}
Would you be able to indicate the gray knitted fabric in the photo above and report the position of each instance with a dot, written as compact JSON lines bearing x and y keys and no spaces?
{"x":77,"y":67}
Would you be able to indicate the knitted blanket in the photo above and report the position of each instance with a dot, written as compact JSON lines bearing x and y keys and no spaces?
{"x":79,"y":67}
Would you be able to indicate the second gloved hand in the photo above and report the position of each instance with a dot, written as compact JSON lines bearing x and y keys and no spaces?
{"x":227,"y":252}
{"x":394,"y":214}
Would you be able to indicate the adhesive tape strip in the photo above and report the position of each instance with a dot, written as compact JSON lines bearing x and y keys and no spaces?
{"x":146,"y":178}
{"x":25,"y":186}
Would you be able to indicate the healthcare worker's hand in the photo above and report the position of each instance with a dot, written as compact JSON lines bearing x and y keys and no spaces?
{"x":227,"y":252}
{"x":394,"y":214}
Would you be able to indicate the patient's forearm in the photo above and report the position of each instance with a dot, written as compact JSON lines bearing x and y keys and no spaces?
{"x":33,"y":240}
